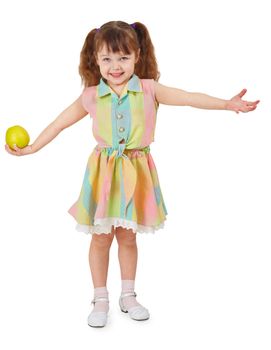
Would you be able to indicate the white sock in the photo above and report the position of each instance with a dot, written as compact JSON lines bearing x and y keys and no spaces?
{"x":128,"y":286}
{"x":101,"y":305}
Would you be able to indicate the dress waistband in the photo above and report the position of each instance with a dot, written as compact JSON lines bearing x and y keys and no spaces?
{"x":122,"y":151}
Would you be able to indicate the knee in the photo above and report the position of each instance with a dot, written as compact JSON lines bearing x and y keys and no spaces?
{"x":125,"y":237}
{"x":102,"y":241}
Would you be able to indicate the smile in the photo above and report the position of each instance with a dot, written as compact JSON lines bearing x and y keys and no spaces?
{"x":116,"y":75}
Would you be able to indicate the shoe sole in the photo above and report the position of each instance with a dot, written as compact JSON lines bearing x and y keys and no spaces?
{"x":96,"y":326}
{"x":143,"y":319}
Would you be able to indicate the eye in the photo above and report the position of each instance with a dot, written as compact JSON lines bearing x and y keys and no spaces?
{"x":126,"y":58}
{"x":104,"y":59}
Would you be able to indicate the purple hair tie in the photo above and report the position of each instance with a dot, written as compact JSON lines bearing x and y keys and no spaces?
{"x":97,"y":29}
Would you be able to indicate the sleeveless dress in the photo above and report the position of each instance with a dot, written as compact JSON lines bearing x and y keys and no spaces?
{"x":120,"y":185}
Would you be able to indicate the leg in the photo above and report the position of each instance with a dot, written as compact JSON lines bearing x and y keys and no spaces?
{"x":128,"y":262}
{"x":127,"y":252}
{"x":99,"y":257}
{"x":98,"y":262}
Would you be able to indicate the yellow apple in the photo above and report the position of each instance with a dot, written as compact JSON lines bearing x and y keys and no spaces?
{"x":17,"y":135}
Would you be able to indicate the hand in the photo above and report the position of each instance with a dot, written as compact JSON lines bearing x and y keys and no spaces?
{"x":19,"y":151}
{"x":238,"y":105}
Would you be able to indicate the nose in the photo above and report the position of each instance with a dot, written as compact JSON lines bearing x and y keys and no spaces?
{"x":115,"y":65}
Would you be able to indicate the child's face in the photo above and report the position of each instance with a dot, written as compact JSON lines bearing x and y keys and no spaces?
{"x":116,"y":68}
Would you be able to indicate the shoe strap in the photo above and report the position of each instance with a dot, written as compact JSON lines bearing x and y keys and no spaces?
{"x":128,"y":294}
{"x":99,"y":299}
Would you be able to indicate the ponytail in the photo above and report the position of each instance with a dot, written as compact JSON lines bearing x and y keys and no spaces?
{"x":147,"y":65}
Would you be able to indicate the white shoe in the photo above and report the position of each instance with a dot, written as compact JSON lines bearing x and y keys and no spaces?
{"x":98,"y":318}
{"x":138,"y":313}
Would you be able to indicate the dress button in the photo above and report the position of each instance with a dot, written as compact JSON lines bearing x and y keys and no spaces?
{"x":119,"y":116}
{"x":120,"y":102}
{"x":121,"y":129}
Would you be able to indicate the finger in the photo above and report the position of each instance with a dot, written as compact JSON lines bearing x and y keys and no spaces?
{"x":252,"y":108}
{"x":243,"y":109}
{"x":248,"y":109}
{"x":10,"y":150}
{"x":17,"y":149}
{"x":249,"y":103}
{"x":242,"y":92}
{"x":7,"y":148}
{"x":252,"y":103}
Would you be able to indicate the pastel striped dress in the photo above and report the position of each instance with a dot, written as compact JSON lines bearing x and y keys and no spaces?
{"x":120,"y":185}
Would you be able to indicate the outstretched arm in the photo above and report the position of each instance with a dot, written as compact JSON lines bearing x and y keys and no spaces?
{"x":68,"y":117}
{"x":177,"y":97}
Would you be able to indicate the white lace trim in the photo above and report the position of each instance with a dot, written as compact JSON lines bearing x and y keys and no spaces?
{"x":105,"y":226}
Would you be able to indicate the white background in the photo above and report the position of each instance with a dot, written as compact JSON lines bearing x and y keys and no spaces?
{"x":206,"y":276}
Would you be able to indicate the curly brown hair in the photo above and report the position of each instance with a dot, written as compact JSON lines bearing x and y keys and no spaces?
{"x":118,"y":36}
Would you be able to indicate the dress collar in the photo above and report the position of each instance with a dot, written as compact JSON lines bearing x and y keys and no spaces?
{"x":132,"y":85}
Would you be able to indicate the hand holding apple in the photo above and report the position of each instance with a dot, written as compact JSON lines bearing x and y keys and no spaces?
{"x":19,"y":151}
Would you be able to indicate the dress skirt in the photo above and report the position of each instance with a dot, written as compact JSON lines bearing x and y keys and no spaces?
{"x":119,"y":190}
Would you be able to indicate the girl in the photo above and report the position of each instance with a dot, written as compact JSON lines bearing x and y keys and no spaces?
{"x":121,"y":194}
